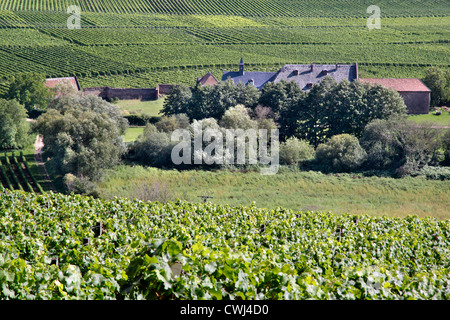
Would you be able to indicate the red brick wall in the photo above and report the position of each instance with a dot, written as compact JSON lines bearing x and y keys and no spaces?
{"x":123,"y":93}
{"x":164,"y":88}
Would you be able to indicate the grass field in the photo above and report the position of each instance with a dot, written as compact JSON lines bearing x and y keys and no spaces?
{"x":437,"y":120}
{"x":150,"y":108}
{"x":294,"y":190}
{"x":133,"y":133}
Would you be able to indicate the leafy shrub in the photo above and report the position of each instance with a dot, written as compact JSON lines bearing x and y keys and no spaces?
{"x":434,"y":173}
{"x":446,"y":147}
{"x":141,"y":119}
{"x":80,"y":185}
{"x":340,"y":153}
{"x":237,"y":118}
{"x":294,"y":151}
{"x":170,"y":123}
{"x":153,"y":148}
{"x":400,"y":145}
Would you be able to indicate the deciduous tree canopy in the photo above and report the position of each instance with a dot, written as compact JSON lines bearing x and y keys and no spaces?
{"x":83,"y":135}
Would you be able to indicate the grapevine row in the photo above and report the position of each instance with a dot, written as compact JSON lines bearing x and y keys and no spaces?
{"x":16,"y":174}
{"x":56,"y":246}
{"x":258,"y":8}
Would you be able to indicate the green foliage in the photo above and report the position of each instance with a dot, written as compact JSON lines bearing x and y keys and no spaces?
{"x":400,"y":145}
{"x":153,"y":147}
{"x":282,"y":98}
{"x":28,"y":89}
{"x":141,"y":119}
{"x":329,"y":108}
{"x":351,"y":106}
{"x":446,"y":147}
{"x":83,"y":135}
{"x":238,"y":118}
{"x":14,"y":130}
{"x":137,"y":49}
{"x":177,"y":101}
{"x":438,"y":81}
{"x":169,"y":124}
{"x":181,"y":250}
{"x":246,"y":8}
{"x":340,"y":153}
{"x":209,"y":101}
{"x":434,"y":173}
{"x":294,"y":151}
{"x":80,"y":185}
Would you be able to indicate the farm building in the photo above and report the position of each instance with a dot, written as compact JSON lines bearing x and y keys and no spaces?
{"x":305,"y":75}
{"x":52,"y":82}
{"x":207,"y":80}
{"x":413,"y":91}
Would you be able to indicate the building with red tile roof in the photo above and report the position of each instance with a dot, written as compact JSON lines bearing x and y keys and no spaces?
{"x":413,"y":91}
{"x":51,"y":82}
{"x":207,"y":80}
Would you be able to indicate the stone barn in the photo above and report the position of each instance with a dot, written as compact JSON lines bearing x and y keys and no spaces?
{"x":413,"y":91}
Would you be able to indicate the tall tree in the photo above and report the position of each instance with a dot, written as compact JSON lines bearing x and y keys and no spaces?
{"x":438,"y":80}
{"x":314,"y":113}
{"x":283,"y":98}
{"x":177,"y":101}
{"x":209,"y":101}
{"x":14,"y":129}
{"x":29,"y":89}
{"x":83,"y":135}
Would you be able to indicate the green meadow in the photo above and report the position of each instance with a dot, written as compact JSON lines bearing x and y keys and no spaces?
{"x":289,"y":188}
{"x":150,"y":108}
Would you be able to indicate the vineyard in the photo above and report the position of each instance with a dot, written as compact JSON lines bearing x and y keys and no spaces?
{"x":289,"y":8}
{"x":142,"y":43}
{"x":55,"y":246}
{"x":15,"y":174}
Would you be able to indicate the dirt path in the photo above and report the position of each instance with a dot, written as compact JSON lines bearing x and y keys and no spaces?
{"x":38,"y":146}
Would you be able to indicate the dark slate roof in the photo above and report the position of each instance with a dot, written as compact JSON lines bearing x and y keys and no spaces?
{"x":259,"y":78}
{"x":307,"y":76}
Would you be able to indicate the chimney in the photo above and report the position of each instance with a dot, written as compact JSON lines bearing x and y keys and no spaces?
{"x":296,"y":72}
{"x":312,"y":67}
{"x":309,"y":85}
{"x":325,"y":72}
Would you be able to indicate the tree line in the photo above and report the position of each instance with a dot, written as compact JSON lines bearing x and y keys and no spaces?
{"x":335,"y":127}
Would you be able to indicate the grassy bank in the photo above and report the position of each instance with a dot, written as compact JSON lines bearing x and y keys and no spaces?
{"x":133,"y":133}
{"x":437,"y":120}
{"x":294,"y":190}
{"x":150,"y":108}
